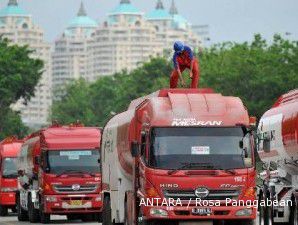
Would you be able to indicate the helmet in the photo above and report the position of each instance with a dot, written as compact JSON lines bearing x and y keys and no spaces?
{"x":178,"y":46}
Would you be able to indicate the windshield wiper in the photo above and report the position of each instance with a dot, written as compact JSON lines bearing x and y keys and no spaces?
{"x":190,"y":165}
{"x":75,"y":171}
{"x":12,"y":175}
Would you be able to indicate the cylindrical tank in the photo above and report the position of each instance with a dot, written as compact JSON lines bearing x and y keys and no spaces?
{"x":280,"y":125}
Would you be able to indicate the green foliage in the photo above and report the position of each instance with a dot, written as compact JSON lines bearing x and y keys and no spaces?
{"x":93,"y":104}
{"x":256,"y":72}
{"x":19,"y":75}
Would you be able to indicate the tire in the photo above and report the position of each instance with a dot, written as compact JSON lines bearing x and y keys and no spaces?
{"x":266,"y":212}
{"x":22,"y":214}
{"x":246,"y":222}
{"x":294,"y":214}
{"x":87,"y":218}
{"x":45,"y":218}
{"x":3,"y":210}
{"x":71,"y":217}
{"x":33,"y":213}
{"x":98,"y":217}
{"x":14,"y":209}
{"x":107,"y":212}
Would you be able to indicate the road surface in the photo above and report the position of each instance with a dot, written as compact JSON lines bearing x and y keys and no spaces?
{"x":61,"y":220}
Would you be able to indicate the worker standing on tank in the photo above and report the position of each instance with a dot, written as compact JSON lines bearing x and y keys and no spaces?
{"x":184,"y":58}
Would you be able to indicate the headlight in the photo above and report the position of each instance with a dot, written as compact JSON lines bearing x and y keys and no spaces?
{"x":51,"y":199}
{"x":158,"y":212}
{"x":98,"y":199}
{"x":244,"y":212}
{"x":8,"y":189}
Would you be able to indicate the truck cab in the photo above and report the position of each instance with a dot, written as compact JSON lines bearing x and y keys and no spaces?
{"x":183,"y":156}
{"x":60,"y":174}
{"x":9,"y":150}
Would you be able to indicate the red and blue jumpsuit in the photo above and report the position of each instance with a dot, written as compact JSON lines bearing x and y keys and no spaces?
{"x":182,"y":61}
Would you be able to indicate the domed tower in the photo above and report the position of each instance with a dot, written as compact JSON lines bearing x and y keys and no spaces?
{"x":160,"y":17}
{"x":125,"y":12}
{"x":18,"y":26}
{"x":70,"y":57}
{"x":124,"y":41}
{"x":179,"y":22}
{"x":81,"y":25}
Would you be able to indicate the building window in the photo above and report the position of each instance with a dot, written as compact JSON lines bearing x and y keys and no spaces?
{"x":25,"y":26}
{"x":138,"y":23}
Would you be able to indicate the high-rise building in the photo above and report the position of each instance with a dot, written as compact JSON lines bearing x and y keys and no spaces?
{"x":123,"y":41}
{"x":69,"y":59}
{"x":18,"y":26}
{"x":127,"y":38}
{"x":171,"y":26}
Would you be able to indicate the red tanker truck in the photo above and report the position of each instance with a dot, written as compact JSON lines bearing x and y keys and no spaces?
{"x":9,"y":150}
{"x":179,"y":156}
{"x":278,"y":150}
{"x":59,"y":174}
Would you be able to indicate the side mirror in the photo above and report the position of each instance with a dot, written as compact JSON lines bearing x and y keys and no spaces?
{"x":36,"y":160}
{"x":266,"y":142}
{"x":135,"y":149}
{"x":98,"y":160}
{"x":241,"y":144}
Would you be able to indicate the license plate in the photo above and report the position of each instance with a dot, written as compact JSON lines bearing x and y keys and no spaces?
{"x":76,"y":202}
{"x":201,"y":211}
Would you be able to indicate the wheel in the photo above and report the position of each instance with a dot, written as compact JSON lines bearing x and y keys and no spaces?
{"x":107,"y":212}
{"x":246,"y":222}
{"x":294,"y":214}
{"x":22,"y":214}
{"x":87,"y":218}
{"x":3,"y":210}
{"x":72,"y":217}
{"x":14,"y":209}
{"x":45,"y":218}
{"x":97,"y":217}
{"x":266,"y":212}
{"x":33,"y":213}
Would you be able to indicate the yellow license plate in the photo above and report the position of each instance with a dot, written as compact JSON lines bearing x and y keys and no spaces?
{"x":76,"y":202}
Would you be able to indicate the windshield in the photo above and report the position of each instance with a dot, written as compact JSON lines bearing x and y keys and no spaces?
{"x":73,"y":161}
{"x":202,"y":148}
{"x":9,"y":168}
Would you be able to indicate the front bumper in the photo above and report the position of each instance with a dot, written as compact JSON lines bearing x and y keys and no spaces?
{"x":186,"y":213}
{"x":67,"y":204}
{"x":8,"y":198}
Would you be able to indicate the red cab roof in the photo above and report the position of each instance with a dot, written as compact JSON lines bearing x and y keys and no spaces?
{"x":10,"y":147}
{"x":69,"y":137}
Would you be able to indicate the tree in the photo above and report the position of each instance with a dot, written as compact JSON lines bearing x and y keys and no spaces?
{"x":19,"y":74}
{"x":75,"y":105}
{"x":94,"y":104}
{"x":256,"y":72}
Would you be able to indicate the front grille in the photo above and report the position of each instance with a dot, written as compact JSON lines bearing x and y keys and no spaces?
{"x":213,"y":194}
{"x":69,"y":188}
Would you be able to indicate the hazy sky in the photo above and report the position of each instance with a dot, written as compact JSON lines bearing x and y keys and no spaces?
{"x":229,"y":20}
